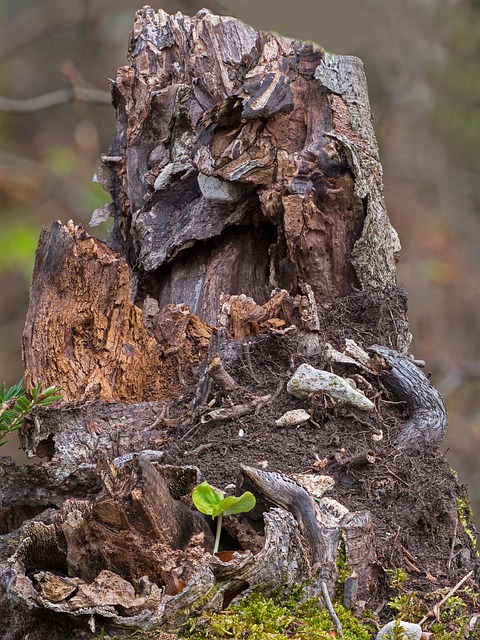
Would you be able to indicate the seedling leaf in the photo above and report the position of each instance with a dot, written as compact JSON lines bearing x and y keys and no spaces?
{"x":240,"y":504}
{"x":207,"y":500}
{"x":212,"y":503}
{"x":16,"y":405}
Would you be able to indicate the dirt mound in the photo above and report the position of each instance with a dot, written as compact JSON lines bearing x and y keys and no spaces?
{"x":411,"y":493}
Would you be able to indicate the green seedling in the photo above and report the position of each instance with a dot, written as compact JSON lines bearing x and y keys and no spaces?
{"x":16,"y":404}
{"x":213,"y":503}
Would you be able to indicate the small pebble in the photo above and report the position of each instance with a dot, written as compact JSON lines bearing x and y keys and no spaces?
{"x":293,"y":418}
{"x":410,"y":630}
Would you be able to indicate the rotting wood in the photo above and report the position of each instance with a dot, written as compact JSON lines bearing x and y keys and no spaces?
{"x":131,"y":539}
{"x":228,"y":413}
{"x":97,"y":343}
{"x":236,"y":171}
{"x":220,"y":375}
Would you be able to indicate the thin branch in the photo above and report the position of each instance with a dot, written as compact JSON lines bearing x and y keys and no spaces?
{"x":330,"y":609}
{"x":432,"y":613}
{"x":454,"y":539}
{"x":53,"y":99}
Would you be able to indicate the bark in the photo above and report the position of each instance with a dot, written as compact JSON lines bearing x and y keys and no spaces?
{"x":248,"y":211}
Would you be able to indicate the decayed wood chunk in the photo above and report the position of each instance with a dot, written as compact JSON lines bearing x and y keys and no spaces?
{"x":242,"y":316}
{"x":243,"y":163}
{"x":428,"y":419}
{"x":84,"y":334}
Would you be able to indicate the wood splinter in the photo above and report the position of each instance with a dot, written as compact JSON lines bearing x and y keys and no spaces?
{"x":220,"y":375}
{"x":282,"y":491}
{"x":237,"y":411}
{"x":357,"y":461}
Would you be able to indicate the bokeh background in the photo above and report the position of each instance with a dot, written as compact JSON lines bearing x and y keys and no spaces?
{"x":423,"y":68}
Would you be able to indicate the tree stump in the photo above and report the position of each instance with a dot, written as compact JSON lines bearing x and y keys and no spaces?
{"x":247,"y":286}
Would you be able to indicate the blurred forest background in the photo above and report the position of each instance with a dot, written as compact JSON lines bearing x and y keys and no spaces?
{"x":423,"y":67}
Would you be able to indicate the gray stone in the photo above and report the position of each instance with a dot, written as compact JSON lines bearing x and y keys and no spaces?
{"x":410,"y":630}
{"x":307,"y":379}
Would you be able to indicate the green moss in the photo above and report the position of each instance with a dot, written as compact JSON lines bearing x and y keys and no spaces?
{"x":343,"y":569}
{"x":451,"y":625}
{"x":404,"y":604}
{"x":465,"y":515}
{"x":260,"y":617}
{"x":407,"y":606}
{"x":397,"y":632}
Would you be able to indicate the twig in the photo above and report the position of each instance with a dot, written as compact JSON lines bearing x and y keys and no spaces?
{"x":248,"y":359}
{"x":237,"y":411}
{"x":159,"y":419}
{"x":392,"y":473}
{"x":432,"y":613}
{"x":330,"y":609}
{"x":407,"y":553}
{"x":450,"y":557}
{"x":410,"y":564}
{"x":53,"y":99}
{"x":185,"y":435}
{"x":277,"y":392}
{"x":220,"y":375}
{"x":359,"y":460}
{"x":202,"y":447}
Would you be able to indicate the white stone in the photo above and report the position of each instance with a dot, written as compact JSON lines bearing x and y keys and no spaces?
{"x":314,"y":484}
{"x":307,"y":379}
{"x":411,"y":631}
{"x":293,"y":418}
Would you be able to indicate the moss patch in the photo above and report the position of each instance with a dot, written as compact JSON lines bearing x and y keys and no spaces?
{"x":465,"y":515}
{"x":259,"y":617}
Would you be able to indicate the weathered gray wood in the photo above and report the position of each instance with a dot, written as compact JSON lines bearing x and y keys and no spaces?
{"x":428,"y":418}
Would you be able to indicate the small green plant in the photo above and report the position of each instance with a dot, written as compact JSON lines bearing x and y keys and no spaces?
{"x":407,"y":606}
{"x":465,"y":515}
{"x":397,"y":578}
{"x":398,"y":631}
{"x":344,"y":571}
{"x":213,"y":503}
{"x":452,"y":621}
{"x":471,"y":594}
{"x":16,"y":404}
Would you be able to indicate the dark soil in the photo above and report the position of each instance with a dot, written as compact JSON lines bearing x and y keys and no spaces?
{"x":411,"y":494}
